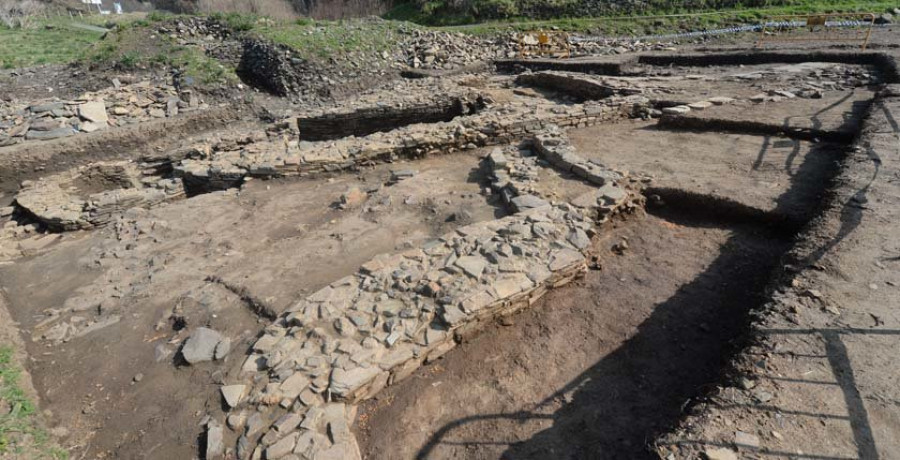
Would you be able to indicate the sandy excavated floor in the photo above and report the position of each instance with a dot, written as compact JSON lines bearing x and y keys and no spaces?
{"x":514,"y":317}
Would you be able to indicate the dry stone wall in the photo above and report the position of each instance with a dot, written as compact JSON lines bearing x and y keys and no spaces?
{"x":118,"y":105}
{"x":287,"y":156}
{"x":514,"y":174}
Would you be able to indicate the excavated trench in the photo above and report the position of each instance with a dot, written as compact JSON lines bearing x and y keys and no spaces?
{"x":647,"y":335}
{"x":595,"y":369}
{"x":644,"y":336}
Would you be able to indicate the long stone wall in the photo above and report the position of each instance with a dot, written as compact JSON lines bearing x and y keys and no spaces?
{"x":584,"y":88}
{"x":588,"y":66}
{"x":289,"y":157}
{"x":348,"y":341}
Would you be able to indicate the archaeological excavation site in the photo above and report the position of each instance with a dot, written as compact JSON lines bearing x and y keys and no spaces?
{"x":445,"y":247}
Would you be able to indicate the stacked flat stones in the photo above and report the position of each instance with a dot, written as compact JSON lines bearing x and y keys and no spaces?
{"x":56,"y":202}
{"x":115,"y":106}
{"x":349,"y":340}
{"x":284,"y":157}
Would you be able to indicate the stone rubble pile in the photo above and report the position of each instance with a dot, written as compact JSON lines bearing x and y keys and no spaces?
{"x":192,"y":29}
{"x":59,"y":203}
{"x":117,"y":105}
{"x":430,"y":49}
{"x":595,"y":46}
{"x":514,"y":176}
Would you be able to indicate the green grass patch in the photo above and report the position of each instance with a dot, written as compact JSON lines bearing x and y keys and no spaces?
{"x":137,"y":46}
{"x":648,"y":21}
{"x":20,"y":431}
{"x":52,"y":42}
{"x":238,"y":22}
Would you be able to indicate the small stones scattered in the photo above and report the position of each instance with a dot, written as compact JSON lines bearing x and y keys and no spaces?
{"x":353,"y":198}
{"x":621,"y":247}
{"x":399,"y":175}
{"x":746,"y":440}
{"x":720,"y":454}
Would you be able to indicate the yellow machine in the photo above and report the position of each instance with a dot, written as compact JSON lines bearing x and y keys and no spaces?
{"x":544,"y":43}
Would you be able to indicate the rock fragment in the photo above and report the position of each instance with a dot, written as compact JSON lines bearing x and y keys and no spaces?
{"x":215,"y":441}
{"x":233,"y":394}
{"x":201,"y":345}
{"x":93,"y":111}
{"x":745,"y":440}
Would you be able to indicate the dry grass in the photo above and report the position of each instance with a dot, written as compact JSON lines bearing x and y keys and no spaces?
{"x":275,"y":9}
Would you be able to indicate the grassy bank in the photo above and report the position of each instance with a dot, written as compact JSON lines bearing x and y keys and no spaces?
{"x":21,"y":433}
{"x":651,"y":21}
{"x":50,"y":42}
{"x":131,"y":43}
{"x":137,"y":45}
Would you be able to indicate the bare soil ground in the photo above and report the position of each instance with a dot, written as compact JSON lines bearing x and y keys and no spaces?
{"x":772,"y":174}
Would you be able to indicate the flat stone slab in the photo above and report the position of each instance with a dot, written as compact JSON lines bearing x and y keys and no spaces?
{"x":201,"y":345}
